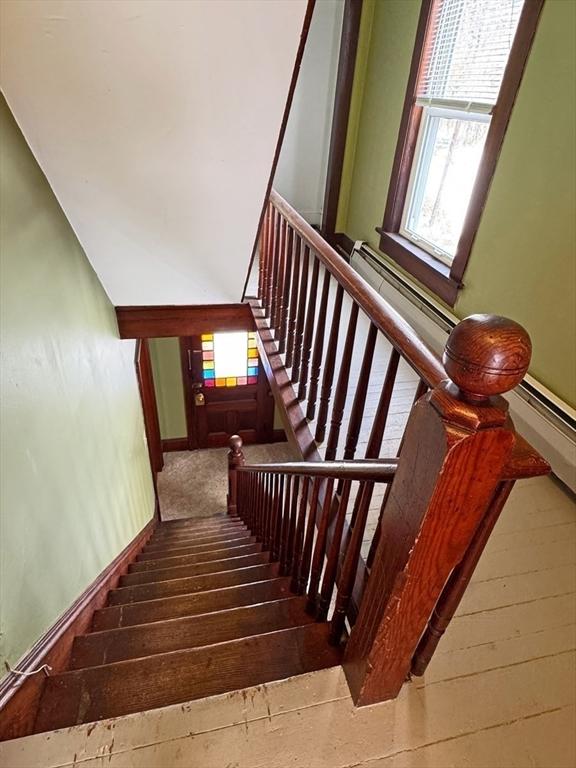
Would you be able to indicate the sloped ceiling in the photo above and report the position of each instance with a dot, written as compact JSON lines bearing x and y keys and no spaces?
{"x":155,"y":122}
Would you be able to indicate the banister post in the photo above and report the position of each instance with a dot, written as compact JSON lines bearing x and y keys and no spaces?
{"x":235,"y":459}
{"x":456,"y":443}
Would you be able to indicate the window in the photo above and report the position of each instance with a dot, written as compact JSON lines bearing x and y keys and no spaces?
{"x":466,"y":69}
{"x":229,"y":359}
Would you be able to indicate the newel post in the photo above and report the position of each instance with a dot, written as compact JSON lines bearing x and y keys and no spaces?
{"x":457,"y":441}
{"x":235,"y":459}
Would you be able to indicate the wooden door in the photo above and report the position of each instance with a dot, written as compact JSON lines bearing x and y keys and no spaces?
{"x":225,"y":395}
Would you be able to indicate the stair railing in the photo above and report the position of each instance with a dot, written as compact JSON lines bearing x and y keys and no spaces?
{"x":459,"y":459}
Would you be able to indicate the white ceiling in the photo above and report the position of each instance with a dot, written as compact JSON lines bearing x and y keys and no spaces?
{"x":155,"y":122}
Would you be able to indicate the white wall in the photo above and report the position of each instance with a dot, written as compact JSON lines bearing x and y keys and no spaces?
{"x":155,"y":122}
{"x":301,"y":173}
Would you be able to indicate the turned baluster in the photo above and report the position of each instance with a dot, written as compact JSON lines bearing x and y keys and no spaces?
{"x":360,"y":396}
{"x":304,"y":571}
{"x":268,"y":513}
{"x":294,"y":302}
{"x":274,"y":229}
{"x":342,"y":386}
{"x":320,"y":547}
{"x":333,"y":559}
{"x":292,"y":527}
{"x":263,"y":253}
{"x":284,"y":306}
{"x":235,"y":459}
{"x":318,"y":346}
{"x":277,"y":520}
{"x":308,"y":331}
{"x":350,"y":565}
{"x":279,"y":279}
{"x":328,"y":371}
{"x":285,"y":524}
{"x":457,"y":443}
{"x":299,"y":534}
{"x":299,"y":334}
{"x":273,"y":282}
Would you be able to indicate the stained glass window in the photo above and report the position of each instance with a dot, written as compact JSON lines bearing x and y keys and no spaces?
{"x":229,"y":359}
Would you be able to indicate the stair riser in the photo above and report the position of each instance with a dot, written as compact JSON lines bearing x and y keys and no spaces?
{"x":194,"y":550}
{"x":192,"y":632}
{"x":190,"y":604}
{"x":161,"y":680}
{"x":203,"y":557}
{"x":182,"y":571}
{"x":191,"y":584}
{"x":212,"y":520}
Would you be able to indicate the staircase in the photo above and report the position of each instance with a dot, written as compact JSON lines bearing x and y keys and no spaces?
{"x":202,"y":611}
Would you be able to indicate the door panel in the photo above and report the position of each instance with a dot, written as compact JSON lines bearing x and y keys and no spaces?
{"x":220,"y":406}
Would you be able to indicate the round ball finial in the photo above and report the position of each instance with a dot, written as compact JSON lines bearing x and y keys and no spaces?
{"x":487,"y":355}
{"x":236,"y":444}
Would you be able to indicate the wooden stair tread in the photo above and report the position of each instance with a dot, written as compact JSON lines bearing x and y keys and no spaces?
{"x":154,"y":554}
{"x":186,"y":522}
{"x":200,"y":557}
{"x":189,"y":584}
{"x":114,"y":645}
{"x":125,"y":687}
{"x":179,"y":533}
{"x":192,"y":541}
{"x":194,"y":569}
{"x":191,"y":604}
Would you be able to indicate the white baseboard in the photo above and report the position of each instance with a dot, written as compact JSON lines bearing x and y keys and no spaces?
{"x":557,"y":445}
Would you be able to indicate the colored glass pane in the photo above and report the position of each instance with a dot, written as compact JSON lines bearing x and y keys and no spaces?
{"x":208,"y":374}
{"x":208,"y":364}
{"x":209,"y":383}
{"x":207,"y":337}
{"x":231,"y":381}
{"x":252,"y":371}
{"x":207,"y":345}
{"x":220,"y":382}
{"x":208,"y":355}
{"x":252,"y":380}
{"x":241,"y":381}
{"x":252,"y":353}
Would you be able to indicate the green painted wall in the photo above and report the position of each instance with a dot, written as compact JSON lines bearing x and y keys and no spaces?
{"x":167,"y":371}
{"x":523,"y":263}
{"x":76,"y":483}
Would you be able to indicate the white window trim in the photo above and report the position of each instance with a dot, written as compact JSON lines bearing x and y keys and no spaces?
{"x":433,"y":110}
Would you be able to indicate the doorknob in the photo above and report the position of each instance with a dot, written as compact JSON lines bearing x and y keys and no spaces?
{"x":198,"y":395}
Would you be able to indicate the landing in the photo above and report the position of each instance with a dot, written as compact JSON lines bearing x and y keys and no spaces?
{"x":194,"y":483}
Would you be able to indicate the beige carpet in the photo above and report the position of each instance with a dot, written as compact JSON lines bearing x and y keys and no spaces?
{"x":194,"y":483}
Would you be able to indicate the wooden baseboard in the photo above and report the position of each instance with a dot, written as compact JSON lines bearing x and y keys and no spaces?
{"x":175,"y":444}
{"x":20,"y":696}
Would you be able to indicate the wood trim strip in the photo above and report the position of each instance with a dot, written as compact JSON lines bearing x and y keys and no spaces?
{"x":20,"y":696}
{"x":170,"y":444}
{"x":172,"y":320}
{"x":342,"y":100}
{"x":145,"y":378}
{"x":283,"y":124}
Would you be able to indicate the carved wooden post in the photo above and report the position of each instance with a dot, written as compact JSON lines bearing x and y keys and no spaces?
{"x":235,"y":459}
{"x":457,"y":440}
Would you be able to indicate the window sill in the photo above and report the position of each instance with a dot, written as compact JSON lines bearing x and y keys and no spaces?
{"x":421,"y":265}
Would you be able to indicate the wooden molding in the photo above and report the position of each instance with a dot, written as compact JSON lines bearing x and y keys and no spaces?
{"x":342,"y":99}
{"x":20,"y":696}
{"x":149,"y":407}
{"x":175,"y":444}
{"x":172,"y":320}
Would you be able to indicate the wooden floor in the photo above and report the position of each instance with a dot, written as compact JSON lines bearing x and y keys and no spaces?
{"x":500,"y":693}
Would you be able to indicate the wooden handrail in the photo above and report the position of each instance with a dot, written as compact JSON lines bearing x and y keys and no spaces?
{"x":399,"y":333}
{"x":380,"y":471}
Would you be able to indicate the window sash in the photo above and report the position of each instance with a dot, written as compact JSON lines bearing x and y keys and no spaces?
{"x":420,"y":169}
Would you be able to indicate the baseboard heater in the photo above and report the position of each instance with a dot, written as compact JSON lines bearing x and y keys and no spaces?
{"x":544,"y":419}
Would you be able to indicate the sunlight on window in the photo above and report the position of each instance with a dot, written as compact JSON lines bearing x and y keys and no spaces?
{"x":229,"y":359}
{"x":449,"y":159}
